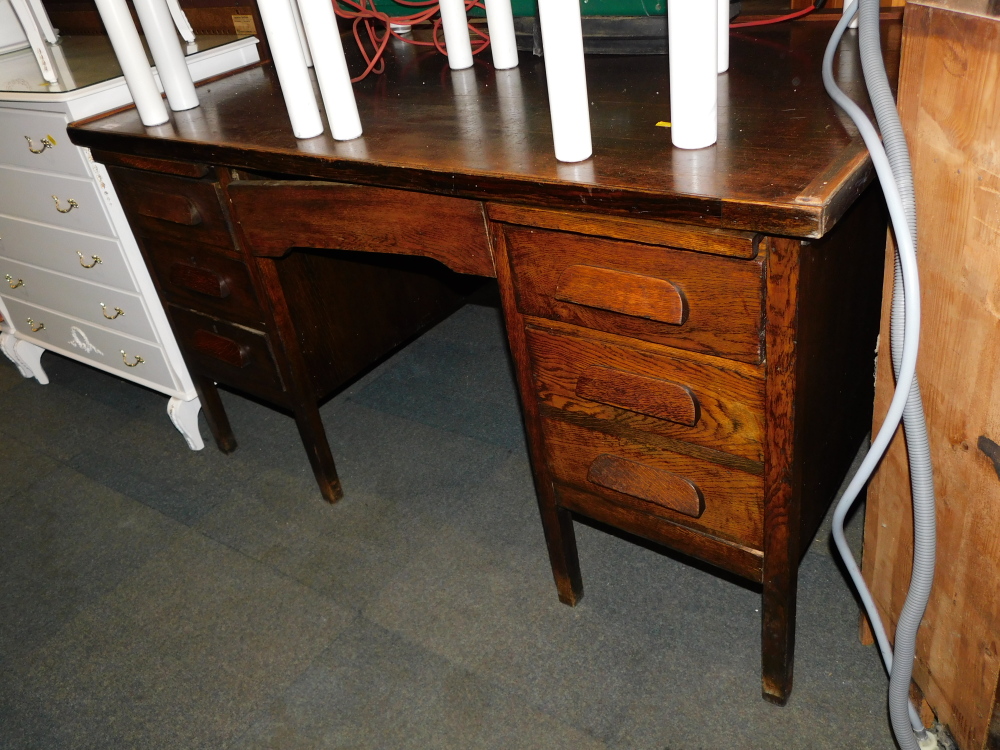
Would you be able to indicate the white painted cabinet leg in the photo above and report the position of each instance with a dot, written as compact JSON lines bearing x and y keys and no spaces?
{"x":25,"y":355}
{"x":184,"y":415}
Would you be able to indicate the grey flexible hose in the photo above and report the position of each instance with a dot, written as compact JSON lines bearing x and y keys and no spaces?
{"x":914,"y":424}
{"x":904,"y":334}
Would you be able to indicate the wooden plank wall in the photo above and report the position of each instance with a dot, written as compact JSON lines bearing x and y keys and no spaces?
{"x":950,"y":106}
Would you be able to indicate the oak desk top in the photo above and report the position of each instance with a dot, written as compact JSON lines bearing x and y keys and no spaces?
{"x":786,"y":162}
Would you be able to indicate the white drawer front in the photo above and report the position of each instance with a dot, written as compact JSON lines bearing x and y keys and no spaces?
{"x":61,"y":250}
{"x":80,"y":340}
{"x":29,"y":195}
{"x":17,"y":125}
{"x":80,"y":299}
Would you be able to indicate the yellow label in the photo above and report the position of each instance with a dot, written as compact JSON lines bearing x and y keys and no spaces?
{"x":244,"y":25}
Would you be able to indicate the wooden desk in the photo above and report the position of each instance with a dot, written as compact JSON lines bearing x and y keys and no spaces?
{"x":693,"y":332}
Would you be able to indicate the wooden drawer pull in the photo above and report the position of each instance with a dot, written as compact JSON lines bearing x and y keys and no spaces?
{"x":220,"y":348}
{"x":177,"y":209}
{"x":199,"y":280}
{"x":639,"y":393}
{"x":626,"y":293}
{"x":647,"y":483}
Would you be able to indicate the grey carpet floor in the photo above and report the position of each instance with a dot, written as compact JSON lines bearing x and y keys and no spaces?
{"x":156,"y":597}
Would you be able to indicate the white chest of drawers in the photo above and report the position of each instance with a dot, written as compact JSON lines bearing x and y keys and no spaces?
{"x":72,"y":279}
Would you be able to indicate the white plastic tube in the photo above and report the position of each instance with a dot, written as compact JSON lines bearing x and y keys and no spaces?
{"x":331,"y":68}
{"x":290,"y":64}
{"x":456,"y":34}
{"x":167,"y":55}
{"x":181,"y":21}
{"x":723,"y":51}
{"x":566,"y":78}
{"x":503,"y":45}
{"x":302,"y":34}
{"x":847,"y":11}
{"x":132,"y":59}
{"x":693,"y":35}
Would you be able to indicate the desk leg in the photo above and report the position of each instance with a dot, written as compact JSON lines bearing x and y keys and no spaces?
{"x":778,"y":634}
{"x":215,"y":413}
{"x":557,"y":523}
{"x":317,"y":447}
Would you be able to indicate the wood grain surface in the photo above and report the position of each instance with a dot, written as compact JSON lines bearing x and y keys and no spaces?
{"x":950,"y":108}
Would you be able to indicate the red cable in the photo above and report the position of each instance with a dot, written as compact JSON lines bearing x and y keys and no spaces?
{"x":779,"y":19}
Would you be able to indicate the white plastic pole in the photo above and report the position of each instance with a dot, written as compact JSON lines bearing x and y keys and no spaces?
{"x":566,"y":78}
{"x":456,"y":34}
{"x":503,"y":45}
{"x":847,"y":9}
{"x":290,"y":64}
{"x":302,"y":34}
{"x":167,"y":55}
{"x":693,"y":36}
{"x":132,"y":59}
{"x":723,"y":36}
{"x":331,"y":68}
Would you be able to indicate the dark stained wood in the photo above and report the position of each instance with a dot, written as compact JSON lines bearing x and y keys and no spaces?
{"x":166,"y":166}
{"x":495,"y":144}
{"x":639,"y":393}
{"x":200,"y":277}
{"x":231,"y":354}
{"x":176,"y":209}
{"x":723,"y":295}
{"x":199,"y":280}
{"x":166,"y":207}
{"x":647,"y":483}
{"x":557,"y":522}
{"x":619,"y":292}
{"x":715,"y":241}
{"x":673,"y":336}
{"x":731,"y":556}
{"x":730,"y":395}
{"x":781,"y":472}
{"x":733,"y":499}
{"x":221,"y":348}
{"x":215,"y":413}
{"x":352,"y":217}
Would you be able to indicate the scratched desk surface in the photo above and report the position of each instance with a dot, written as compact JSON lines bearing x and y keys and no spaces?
{"x":787,"y":160}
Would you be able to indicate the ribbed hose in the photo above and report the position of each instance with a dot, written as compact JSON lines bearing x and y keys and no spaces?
{"x":901,"y":713}
{"x":905,"y":329}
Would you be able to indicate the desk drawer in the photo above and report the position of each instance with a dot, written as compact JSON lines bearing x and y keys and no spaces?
{"x":46,"y":198}
{"x":721,"y":502}
{"x":122,"y":312}
{"x":201,"y":278}
{"x":61,"y":156}
{"x":639,"y":386}
{"x":230,"y":354}
{"x":171,"y":208}
{"x":680,"y":298}
{"x":95,"y":259}
{"x":99,"y":345}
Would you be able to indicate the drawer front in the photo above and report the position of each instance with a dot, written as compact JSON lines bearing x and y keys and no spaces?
{"x":122,"y":312}
{"x":712,"y":499}
{"x":680,"y":298}
{"x":47,"y":134}
{"x":229,"y":354}
{"x":650,"y":388}
{"x":95,"y":259}
{"x":29,"y":195}
{"x":165,"y":207}
{"x":77,"y":338}
{"x":199,"y":277}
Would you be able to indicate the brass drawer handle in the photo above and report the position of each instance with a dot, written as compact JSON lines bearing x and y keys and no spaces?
{"x":13,"y":284}
{"x":95,"y":258}
{"x":34,"y":328}
{"x":72,"y":204}
{"x":104,"y":312}
{"x":138,"y":360}
{"x":47,"y":142}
